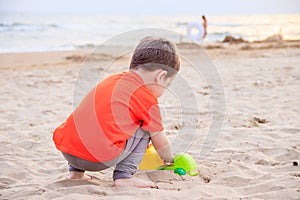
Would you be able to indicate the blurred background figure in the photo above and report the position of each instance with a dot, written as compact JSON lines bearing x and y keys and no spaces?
{"x":196,"y":30}
{"x":204,"y":26}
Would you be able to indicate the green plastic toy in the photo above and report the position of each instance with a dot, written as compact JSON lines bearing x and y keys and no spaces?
{"x":183,"y":164}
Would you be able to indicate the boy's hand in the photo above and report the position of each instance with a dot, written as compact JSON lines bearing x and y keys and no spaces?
{"x":167,"y":165}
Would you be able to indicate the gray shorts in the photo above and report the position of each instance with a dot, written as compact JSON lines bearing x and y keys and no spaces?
{"x":126,"y":164}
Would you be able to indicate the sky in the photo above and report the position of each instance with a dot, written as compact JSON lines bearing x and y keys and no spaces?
{"x":153,"y":7}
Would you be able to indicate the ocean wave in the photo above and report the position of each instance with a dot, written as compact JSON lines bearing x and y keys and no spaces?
{"x":86,"y":46}
{"x":38,"y":49}
{"x":220,"y":33}
{"x":181,"y":23}
{"x":17,"y":26}
{"x":238,"y":25}
{"x":215,"y":24}
{"x":65,"y":47}
{"x":223,"y":34}
{"x":226,"y":24}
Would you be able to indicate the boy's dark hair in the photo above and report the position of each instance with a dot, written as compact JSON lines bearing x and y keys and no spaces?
{"x":156,"y":53}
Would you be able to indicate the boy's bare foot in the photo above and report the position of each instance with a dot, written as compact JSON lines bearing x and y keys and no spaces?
{"x":79,"y":175}
{"x":134,"y":182}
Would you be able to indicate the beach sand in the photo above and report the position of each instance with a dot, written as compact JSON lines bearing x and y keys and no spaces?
{"x":255,"y":156}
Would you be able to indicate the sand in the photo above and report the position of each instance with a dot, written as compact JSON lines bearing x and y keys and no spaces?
{"x":254,"y":158}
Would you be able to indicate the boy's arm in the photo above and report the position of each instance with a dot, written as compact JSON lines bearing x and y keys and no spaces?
{"x":162,"y":146}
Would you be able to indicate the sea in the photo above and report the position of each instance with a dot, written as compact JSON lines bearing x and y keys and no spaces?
{"x":31,"y":32}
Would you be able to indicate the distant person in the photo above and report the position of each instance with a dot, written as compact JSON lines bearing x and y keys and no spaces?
{"x":204,"y":26}
{"x":114,"y":123}
{"x":196,"y":30}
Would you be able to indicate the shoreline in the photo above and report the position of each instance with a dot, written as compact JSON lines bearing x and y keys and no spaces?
{"x":53,"y":57}
{"x":274,"y":41}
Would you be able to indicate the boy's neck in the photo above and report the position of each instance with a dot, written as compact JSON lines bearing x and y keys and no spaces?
{"x":147,"y":76}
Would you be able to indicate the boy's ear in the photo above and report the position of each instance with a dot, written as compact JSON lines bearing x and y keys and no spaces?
{"x":161,"y":76}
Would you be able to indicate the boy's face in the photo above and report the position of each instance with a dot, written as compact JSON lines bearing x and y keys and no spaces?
{"x":161,"y":83}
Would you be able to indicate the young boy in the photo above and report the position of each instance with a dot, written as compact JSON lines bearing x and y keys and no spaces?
{"x":114,"y":123}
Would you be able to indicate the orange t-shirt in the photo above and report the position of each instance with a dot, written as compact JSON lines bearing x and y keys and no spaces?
{"x":107,"y":117}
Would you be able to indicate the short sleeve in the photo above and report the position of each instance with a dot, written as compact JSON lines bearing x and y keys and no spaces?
{"x":151,"y":118}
